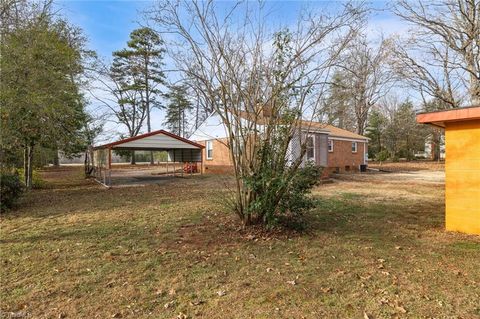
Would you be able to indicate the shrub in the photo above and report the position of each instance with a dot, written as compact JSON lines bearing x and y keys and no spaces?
{"x":271,"y":209}
{"x":296,"y":201}
{"x":37,"y":181}
{"x":382,"y":156}
{"x":11,"y":189}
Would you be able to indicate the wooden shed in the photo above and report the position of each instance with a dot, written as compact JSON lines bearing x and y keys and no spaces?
{"x":462,"y":166}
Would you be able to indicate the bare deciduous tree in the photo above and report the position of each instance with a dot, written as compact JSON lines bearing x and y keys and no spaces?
{"x":121,"y":99}
{"x":366,"y":77}
{"x":124,"y":104}
{"x":260,"y":83}
{"x":442,"y":57}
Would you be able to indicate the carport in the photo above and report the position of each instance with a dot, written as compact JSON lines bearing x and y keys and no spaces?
{"x":179,"y":151}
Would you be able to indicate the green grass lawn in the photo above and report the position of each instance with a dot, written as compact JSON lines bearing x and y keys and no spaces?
{"x":375,"y":247}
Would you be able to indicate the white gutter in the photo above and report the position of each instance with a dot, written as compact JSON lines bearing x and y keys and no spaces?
{"x":349,"y":139}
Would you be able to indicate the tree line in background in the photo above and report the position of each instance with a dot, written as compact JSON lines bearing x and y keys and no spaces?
{"x":134,"y":84}
{"x":394,"y":132}
{"x":332,"y":69}
{"x":439,"y":60}
{"x":48,"y":75}
{"x":43,"y":108}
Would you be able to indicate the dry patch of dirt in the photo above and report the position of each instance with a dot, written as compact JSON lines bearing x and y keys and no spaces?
{"x":408,"y":166}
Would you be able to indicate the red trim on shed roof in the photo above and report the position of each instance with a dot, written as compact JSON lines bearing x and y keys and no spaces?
{"x":138,"y":137}
{"x":454,"y":115}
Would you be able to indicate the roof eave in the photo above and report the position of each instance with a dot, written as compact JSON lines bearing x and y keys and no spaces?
{"x":361,"y":138}
{"x":134,"y":138}
{"x":439,"y":118}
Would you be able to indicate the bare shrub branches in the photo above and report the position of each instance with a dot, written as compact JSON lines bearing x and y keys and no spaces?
{"x":442,"y":58}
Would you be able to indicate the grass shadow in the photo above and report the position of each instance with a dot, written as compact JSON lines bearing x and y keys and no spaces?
{"x":355,"y":215}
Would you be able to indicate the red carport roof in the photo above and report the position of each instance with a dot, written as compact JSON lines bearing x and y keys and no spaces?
{"x":439,"y":118}
{"x":138,"y":137}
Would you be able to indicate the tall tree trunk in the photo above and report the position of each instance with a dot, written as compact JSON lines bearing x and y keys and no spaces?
{"x":149,"y":129}
{"x":56,"y":160}
{"x":86,"y":165}
{"x":360,"y":126}
{"x":149,"y":126}
{"x":179,"y":124}
{"x":89,"y":163}
{"x":147,"y":101}
{"x":25,"y":164}
{"x":436,"y":136}
{"x":361,"y":116}
{"x":475,"y":89}
{"x":28,"y":167}
{"x":182,"y":116}
{"x":341,"y":121}
{"x":197,"y":114}
{"x":92,"y":159}
{"x":132,"y":161}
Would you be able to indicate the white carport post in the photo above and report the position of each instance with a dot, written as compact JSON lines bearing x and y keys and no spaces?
{"x":167,"y":162}
{"x":109,"y":166}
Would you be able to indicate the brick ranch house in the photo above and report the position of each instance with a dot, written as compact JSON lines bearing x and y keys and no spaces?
{"x":328,"y":146}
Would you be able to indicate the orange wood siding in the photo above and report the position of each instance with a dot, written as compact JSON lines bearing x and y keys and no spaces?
{"x":462,"y":169}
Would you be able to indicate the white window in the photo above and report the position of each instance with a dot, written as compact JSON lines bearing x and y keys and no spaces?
{"x":330,"y":145}
{"x":209,"y":148}
{"x":311,"y":147}
{"x":354,"y":147}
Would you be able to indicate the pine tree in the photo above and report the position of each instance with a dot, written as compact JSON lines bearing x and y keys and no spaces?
{"x":145,"y":54}
{"x":177,"y":109}
{"x":130,"y":109}
{"x":412,"y":134}
{"x":146,"y":50}
{"x":338,"y":109}
{"x":403,"y":135}
{"x":377,"y":124}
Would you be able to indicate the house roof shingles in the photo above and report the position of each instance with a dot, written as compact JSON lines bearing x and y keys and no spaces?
{"x":335,"y":131}
{"x":332,"y":130}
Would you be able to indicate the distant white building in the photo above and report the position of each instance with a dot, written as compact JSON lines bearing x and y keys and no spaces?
{"x":429,"y":152}
{"x":80,"y":158}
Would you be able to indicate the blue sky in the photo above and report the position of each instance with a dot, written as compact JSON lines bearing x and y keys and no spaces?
{"x":107,"y":25}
